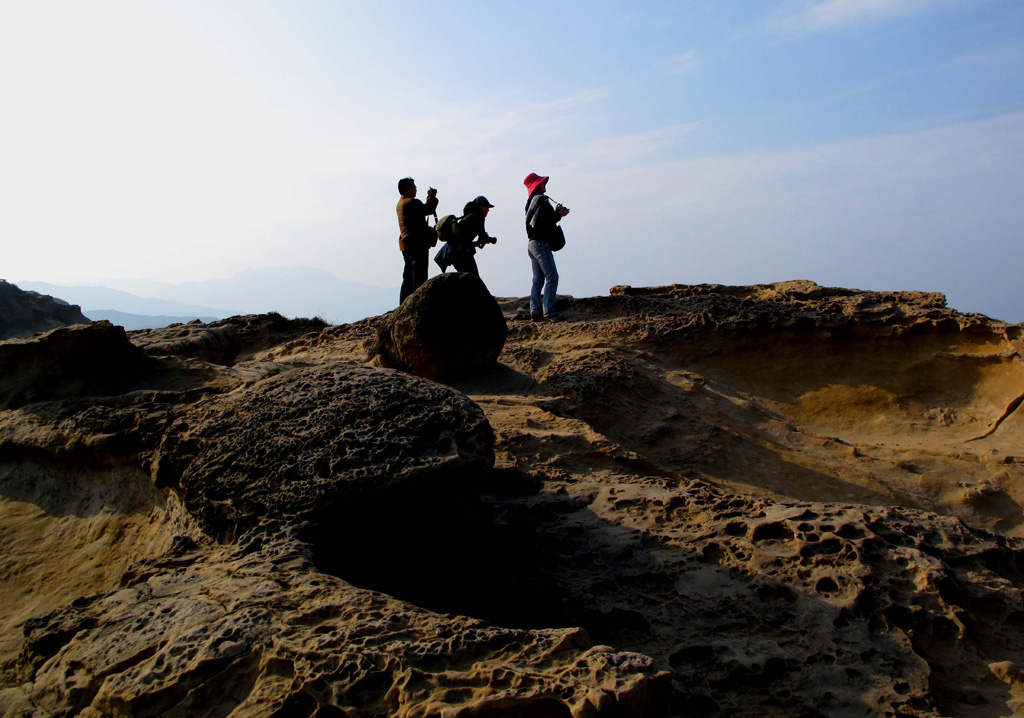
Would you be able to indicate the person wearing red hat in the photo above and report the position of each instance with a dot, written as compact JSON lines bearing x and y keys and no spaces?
{"x":541,"y":219}
{"x":415,"y":238}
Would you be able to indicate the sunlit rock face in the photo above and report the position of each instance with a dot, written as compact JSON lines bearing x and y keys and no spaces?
{"x":683,"y":500}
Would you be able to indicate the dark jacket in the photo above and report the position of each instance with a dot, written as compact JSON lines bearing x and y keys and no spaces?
{"x":471,"y":227}
{"x":412,"y":222}
{"x":545,"y":222}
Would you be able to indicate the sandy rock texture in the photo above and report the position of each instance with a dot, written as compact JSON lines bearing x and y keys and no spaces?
{"x":690,"y":500}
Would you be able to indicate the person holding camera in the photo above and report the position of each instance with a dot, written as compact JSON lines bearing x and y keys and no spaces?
{"x":470,"y":236}
{"x":416,"y":236}
{"x":541,"y":224}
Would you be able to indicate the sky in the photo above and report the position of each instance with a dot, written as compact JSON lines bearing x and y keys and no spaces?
{"x":873,"y":144}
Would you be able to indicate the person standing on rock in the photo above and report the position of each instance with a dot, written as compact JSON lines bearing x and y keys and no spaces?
{"x":541,"y":221}
{"x":416,"y":236}
{"x":471,"y":235}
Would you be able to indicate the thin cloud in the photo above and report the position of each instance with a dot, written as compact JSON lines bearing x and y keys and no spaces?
{"x":827,"y":15}
{"x":680,"y":64}
{"x":580,"y":98}
{"x":1001,"y":55}
{"x":634,"y":147}
{"x":823,"y":212}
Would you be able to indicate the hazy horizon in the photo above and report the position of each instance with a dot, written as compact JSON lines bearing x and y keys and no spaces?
{"x":849,"y":142}
{"x":297,"y":305}
{"x":293,"y":292}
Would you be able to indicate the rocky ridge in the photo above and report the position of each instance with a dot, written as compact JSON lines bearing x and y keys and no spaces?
{"x":690,"y":500}
{"x":25,"y":313}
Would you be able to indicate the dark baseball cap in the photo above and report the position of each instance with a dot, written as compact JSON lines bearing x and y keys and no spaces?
{"x":483,"y":200}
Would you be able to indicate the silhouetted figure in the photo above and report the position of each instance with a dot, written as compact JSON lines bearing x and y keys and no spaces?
{"x":416,"y":236}
{"x":541,"y":221}
{"x":469,"y":236}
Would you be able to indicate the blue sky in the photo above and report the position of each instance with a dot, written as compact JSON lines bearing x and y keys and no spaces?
{"x":875,"y":144}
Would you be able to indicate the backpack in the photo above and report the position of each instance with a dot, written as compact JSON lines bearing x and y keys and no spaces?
{"x":447,"y":227}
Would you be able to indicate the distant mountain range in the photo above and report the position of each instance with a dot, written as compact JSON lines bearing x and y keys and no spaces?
{"x":293,"y":292}
{"x":92,"y":299}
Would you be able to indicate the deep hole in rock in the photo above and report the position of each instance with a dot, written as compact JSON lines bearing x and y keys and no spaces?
{"x":449,"y":554}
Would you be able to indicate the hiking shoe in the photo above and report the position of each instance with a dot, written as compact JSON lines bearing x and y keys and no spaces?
{"x":555,"y":318}
{"x":537,"y":318}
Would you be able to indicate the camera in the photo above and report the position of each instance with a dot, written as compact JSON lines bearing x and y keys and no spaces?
{"x":486,"y":240}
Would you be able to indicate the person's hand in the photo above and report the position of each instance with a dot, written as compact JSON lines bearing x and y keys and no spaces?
{"x":562,"y":211}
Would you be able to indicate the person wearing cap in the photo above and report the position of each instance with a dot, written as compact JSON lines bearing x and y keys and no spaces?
{"x":471,"y":235}
{"x":541,"y":219}
{"x":459,"y":247}
{"x":416,"y":236}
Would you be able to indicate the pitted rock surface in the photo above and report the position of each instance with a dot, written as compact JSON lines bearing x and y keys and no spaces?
{"x":309,"y":440}
{"x":255,"y":630}
{"x":817,"y":609}
{"x":451,"y":328}
{"x":750,"y":501}
{"x":797,"y":305}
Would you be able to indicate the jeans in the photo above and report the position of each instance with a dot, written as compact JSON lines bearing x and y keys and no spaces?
{"x":545,"y":276}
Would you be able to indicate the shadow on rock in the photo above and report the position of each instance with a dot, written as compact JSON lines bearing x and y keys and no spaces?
{"x":81,"y":360}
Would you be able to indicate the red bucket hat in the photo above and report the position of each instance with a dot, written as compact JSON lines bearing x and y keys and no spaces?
{"x":534,"y":180}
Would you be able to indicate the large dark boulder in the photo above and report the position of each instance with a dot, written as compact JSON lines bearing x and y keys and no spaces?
{"x":310,"y":443}
{"x":25,"y":313}
{"x":448,"y":329}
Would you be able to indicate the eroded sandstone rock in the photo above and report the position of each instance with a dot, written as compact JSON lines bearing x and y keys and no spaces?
{"x":226,"y":341}
{"x":308,"y":440}
{"x":815,"y":609}
{"x":773,"y":500}
{"x":255,"y":629}
{"x":79,"y":360}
